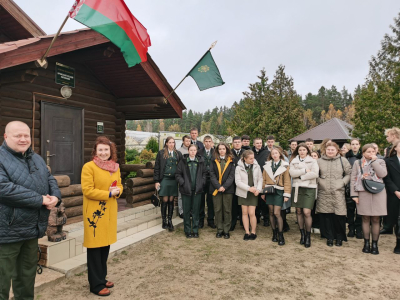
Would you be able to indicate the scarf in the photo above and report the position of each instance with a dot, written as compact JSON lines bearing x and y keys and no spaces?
{"x":108,"y":165}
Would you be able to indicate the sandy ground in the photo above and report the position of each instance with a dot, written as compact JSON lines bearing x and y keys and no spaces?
{"x":169,"y":266}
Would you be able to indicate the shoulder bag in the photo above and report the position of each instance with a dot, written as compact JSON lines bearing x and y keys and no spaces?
{"x":370,"y":186}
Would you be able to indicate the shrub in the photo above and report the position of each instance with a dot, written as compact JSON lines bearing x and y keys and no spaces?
{"x":131,"y":154}
{"x":131,"y":175}
{"x":146,"y":155}
{"x":152,"y":145}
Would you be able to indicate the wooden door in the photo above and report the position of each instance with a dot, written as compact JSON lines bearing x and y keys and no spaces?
{"x":62,"y":139}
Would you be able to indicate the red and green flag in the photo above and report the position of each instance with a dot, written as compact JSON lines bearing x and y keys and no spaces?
{"x":114,"y":20}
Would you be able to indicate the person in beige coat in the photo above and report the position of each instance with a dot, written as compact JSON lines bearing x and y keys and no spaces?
{"x":304,"y":172}
{"x":331,"y":203}
{"x":276,"y":174}
{"x":370,"y":206}
{"x":248,"y":181}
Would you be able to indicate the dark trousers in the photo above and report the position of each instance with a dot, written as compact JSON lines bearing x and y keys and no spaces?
{"x":397,"y":228}
{"x":206,"y":197}
{"x":353,"y":218}
{"x":390,"y":220}
{"x":236,"y":211}
{"x":262,"y":209}
{"x":315,"y":219}
{"x":18,"y":263}
{"x":191,"y":204}
{"x":97,"y":267}
{"x":333,"y":227}
{"x":223,"y":212}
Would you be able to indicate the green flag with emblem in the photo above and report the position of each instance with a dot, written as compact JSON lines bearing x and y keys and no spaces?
{"x":205,"y":73}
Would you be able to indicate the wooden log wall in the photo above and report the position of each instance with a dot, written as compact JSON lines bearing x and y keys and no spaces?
{"x":90,"y":94}
{"x":140,"y":188}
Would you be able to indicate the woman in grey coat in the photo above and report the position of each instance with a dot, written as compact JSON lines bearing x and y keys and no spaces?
{"x":331,"y":203}
{"x":370,"y":206}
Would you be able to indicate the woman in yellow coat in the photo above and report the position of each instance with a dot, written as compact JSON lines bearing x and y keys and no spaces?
{"x":101,"y":186}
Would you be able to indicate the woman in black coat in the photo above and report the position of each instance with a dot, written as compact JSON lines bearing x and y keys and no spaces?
{"x":191,"y":177}
{"x":392,"y":184}
{"x":222,"y":177}
{"x":164,"y":175}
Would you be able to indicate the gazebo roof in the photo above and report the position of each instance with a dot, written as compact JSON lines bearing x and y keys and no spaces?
{"x":334,"y":129}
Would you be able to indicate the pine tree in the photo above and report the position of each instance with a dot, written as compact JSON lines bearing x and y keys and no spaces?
{"x":375,"y":111}
{"x":287,"y":121}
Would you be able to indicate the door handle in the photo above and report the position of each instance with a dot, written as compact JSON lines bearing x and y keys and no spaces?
{"x":48,"y":157}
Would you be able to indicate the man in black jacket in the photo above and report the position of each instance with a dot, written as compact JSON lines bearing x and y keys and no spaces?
{"x":194,"y":133}
{"x":245,"y":142}
{"x":237,"y":152}
{"x":353,"y":218}
{"x":208,"y":155}
{"x":389,"y":221}
{"x":27,"y":192}
{"x":261,"y":155}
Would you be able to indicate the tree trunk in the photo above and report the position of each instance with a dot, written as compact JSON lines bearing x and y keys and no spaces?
{"x":63,"y":180}
{"x":72,"y":190}
{"x":150,"y":165}
{"x":143,"y":189}
{"x":131,"y":168}
{"x":135,"y":182}
{"x":145,"y":173}
{"x":72,"y":201}
{"x":74,"y":211}
{"x":130,"y":199}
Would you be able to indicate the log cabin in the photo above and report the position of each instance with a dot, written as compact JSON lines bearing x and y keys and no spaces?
{"x":83,"y":91}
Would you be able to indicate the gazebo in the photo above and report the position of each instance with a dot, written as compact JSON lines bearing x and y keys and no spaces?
{"x":337,"y":130}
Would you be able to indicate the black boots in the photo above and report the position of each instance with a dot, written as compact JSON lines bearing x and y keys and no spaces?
{"x":307,"y":240}
{"x":170,"y":213}
{"x":281,"y":239}
{"x":266,"y":221}
{"x":374,"y":248}
{"x":302,"y":237}
{"x":274,"y":235}
{"x":351,"y":232}
{"x":397,"y":248}
{"x":164,"y":214}
{"x":367,"y":246}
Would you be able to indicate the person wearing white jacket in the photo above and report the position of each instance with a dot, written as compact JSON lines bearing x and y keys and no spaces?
{"x":304,"y":171}
{"x":248,"y":179}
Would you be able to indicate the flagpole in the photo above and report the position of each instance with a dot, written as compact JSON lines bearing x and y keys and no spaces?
{"x":42,"y":61}
{"x":166,"y":98}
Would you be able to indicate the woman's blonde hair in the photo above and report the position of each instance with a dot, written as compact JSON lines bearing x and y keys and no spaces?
{"x":246,"y":154}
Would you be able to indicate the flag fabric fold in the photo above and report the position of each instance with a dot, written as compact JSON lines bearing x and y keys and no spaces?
{"x":114,"y":20}
{"x":205,"y":73}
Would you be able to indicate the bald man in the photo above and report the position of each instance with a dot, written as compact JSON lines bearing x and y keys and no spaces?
{"x":27,"y":192}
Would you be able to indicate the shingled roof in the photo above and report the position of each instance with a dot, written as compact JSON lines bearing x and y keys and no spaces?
{"x":334,"y":129}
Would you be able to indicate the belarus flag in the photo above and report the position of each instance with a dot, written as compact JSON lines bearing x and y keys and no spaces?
{"x":114,"y":20}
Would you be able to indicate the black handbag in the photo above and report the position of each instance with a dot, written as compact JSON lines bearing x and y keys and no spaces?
{"x":155,"y":200}
{"x":346,"y":187}
{"x":371,"y":186}
{"x":269,"y":190}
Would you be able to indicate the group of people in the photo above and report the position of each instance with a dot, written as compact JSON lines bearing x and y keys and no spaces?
{"x":328,"y":188}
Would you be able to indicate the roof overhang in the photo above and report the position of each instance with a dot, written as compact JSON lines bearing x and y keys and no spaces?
{"x":140,"y":90}
{"x":15,"y":24}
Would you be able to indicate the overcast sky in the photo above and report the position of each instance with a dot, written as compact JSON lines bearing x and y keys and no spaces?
{"x":325,"y":42}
